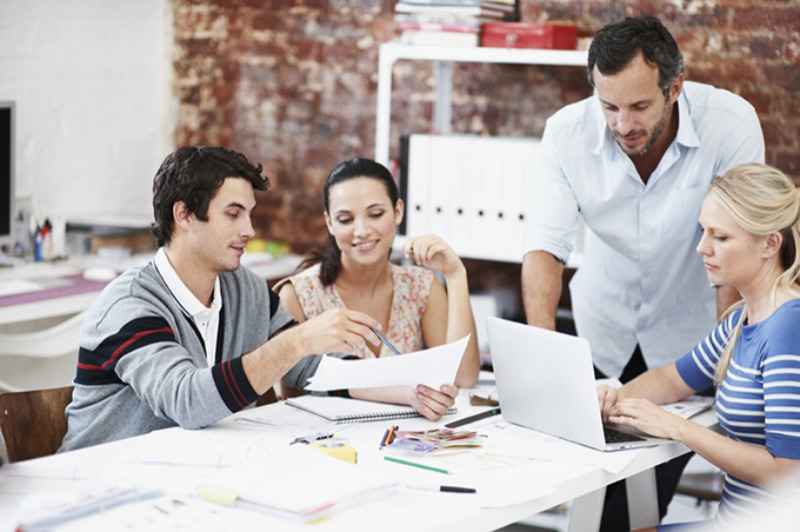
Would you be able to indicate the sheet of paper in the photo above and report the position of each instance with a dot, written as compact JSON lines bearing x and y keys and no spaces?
{"x":506,"y":439}
{"x":431,"y":367}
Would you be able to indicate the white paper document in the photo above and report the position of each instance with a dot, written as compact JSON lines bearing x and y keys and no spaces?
{"x":431,"y":367}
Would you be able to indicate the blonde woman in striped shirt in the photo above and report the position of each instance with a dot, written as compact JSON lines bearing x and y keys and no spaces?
{"x":750,"y":241}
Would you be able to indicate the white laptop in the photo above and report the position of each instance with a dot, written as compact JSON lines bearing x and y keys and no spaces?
{"x":545,"y":381}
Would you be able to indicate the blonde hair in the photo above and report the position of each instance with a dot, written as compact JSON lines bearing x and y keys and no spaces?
{"x":761,"y":200}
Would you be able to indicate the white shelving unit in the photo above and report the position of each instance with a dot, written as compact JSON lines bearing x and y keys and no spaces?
{"x":444,"y":57}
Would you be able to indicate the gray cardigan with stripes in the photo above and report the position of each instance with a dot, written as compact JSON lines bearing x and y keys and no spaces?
{"x":142,"y":363}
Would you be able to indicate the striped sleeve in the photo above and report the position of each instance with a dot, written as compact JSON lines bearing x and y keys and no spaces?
{"x":697,"y":367}
{"x":782,"y":404}
{"x":96,"y":367}
{"x":233,"y":385}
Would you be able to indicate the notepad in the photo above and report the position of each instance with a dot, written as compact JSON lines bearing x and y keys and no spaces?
{"x":300,"y":484}
{"x":343,"y":410}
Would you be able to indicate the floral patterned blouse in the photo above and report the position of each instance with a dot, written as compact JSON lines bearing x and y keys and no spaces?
{"x":412,"y":288}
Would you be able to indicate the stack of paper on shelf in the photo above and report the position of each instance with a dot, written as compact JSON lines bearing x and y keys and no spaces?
{"x":449,"y":22}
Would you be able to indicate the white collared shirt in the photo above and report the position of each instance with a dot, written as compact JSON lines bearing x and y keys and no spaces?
{"x":641,"y":280}
{"x":205,"y":319}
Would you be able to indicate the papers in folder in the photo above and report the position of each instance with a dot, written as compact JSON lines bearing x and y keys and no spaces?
{"x":431,"y":367}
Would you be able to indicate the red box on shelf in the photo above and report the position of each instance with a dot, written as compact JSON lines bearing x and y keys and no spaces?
{"x":529,"y":35}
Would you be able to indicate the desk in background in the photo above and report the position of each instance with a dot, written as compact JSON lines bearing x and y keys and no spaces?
{"x":66,"y":292}
{"x":175,"y":459}
{"x":32,"y":321}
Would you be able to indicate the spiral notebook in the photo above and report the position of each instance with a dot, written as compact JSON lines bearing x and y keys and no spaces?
{"x":344,"y":410}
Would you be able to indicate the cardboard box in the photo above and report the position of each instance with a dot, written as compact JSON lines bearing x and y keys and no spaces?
{"x":529,"y":35}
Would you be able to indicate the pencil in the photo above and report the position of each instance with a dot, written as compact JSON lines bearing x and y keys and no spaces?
{"x":392,"y":348}
{"x":414,"y":464}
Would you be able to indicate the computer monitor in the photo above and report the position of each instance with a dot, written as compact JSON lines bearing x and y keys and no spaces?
{"x":6,"y":177}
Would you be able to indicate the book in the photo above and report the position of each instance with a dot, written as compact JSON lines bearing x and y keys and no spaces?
{"x":344,"y":410}
{"x":439,"y":38}
{"x":456,"y":10}
{"x":463,"y":27}
{"x":456,"y":3}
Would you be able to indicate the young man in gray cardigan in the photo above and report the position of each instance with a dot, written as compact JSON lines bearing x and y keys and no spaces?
{"x":190,"y":337}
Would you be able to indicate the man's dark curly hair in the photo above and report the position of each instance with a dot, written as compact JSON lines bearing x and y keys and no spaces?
{"x":193,"y":174}
{"x":616,"y":45}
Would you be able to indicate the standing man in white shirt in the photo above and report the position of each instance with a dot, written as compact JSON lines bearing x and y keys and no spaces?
{"x":635,"y":161}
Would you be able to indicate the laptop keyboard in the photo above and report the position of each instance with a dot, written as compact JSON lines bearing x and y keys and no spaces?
{"x":617,"y":436}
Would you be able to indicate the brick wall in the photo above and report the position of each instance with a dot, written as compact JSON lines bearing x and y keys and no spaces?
{"x":292,"y":84}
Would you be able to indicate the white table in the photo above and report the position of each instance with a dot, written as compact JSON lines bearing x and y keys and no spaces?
{"x":146,"y":459}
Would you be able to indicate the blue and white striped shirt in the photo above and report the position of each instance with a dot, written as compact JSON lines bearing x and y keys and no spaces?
{"x":758,"y":401}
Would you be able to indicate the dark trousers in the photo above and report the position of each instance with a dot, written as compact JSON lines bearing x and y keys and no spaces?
{"x":615,"y":510}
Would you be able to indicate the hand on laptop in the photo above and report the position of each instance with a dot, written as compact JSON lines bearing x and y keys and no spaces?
{"x":607,"y":397}
{"x":646,"y":416}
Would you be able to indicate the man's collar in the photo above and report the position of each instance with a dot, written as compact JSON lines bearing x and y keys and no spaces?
{"x":182,"y":294}
{"x":686,"y":136}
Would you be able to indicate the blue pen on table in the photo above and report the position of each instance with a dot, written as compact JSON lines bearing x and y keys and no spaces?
{"x":392,"y":348}
{"x":385,"y":437}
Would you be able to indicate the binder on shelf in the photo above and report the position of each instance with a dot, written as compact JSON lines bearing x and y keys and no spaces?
{"x":472,"y":191}
{"x":344,"y":410}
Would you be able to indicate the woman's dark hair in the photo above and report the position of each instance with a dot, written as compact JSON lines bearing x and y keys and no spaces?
{"x":331,"y":259}
{"x":193,"y":174}
{"x":616,"y":45}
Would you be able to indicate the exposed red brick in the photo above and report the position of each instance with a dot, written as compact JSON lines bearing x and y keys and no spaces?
{"x":767,"y":47}
{"x":784,"y":76}
{"x":382,"y":29}
{"x":762,"y":101}
{"x":789,"y":162}
{"x":266,"y":21}
{"x":726,"y":74}
{"x":292,"y":85}
{"x":706,"y":16}
{"x":793,"y":48}
{"x":690,"y":42}
{"x":775,"y":134}
{"x":787,"y":106}
{"x":766,"y":16}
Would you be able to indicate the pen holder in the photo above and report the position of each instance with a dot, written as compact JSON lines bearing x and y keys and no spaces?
{"x":337,"y":449}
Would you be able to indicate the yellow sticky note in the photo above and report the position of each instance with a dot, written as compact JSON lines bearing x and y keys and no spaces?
{"x":217,"y":495}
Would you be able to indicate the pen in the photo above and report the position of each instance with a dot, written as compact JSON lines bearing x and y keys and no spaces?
{"x":92,"y":505}
{"x":414,"y":464}
{"x":312,"y":437}
{"x":443,"y":489}
{"x":392,"y":348}
{"x":470,"y":419}
{"x":389,"y":435}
